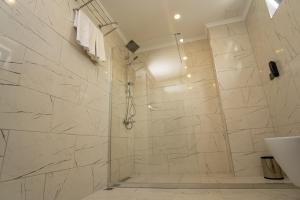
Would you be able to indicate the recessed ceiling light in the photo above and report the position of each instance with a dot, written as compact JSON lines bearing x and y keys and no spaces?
{"x":189,"y":75}
{"x":185,"y":58}
{"x":181,"y":40}
{"x":10,"y":1}
{"x":177,"y":16}
{"x":185,"y":67}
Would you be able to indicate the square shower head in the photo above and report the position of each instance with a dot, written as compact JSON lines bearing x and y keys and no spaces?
{"x":132,"y":46}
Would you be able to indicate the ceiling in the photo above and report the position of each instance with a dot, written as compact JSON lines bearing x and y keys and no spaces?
{"x":151,"y":24}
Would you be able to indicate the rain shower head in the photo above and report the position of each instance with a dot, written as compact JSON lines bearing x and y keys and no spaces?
{"x":132,"y":46}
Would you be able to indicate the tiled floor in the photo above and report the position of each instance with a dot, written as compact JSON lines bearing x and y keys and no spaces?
{"x":197,"y":182}
{"x":199,"y":179}
{"x":196,"y":194}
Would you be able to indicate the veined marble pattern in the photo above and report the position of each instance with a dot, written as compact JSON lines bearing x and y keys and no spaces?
{"x":185,"y":129}
{"x":53,"y":106}
{"x":278,"y":39}
{"x":177,"y":194}
{"x":243,"y":97}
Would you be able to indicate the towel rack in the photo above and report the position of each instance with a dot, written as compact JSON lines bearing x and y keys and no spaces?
{"x":97,"y":10}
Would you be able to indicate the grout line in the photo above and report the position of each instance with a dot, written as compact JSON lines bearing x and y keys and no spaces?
{"x":4,"y":156}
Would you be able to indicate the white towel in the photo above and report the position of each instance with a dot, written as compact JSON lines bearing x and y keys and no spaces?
{"x":83,"y":29}
{"x":93,"y":39}
{"x":75,"y":18}
{"x":100,"y":47}
{"x":89,"y":36}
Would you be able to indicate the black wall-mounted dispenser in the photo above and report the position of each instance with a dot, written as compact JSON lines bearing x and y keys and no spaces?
{"x":274,"y":70}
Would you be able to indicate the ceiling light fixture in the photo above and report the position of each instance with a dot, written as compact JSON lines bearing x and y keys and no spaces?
{"x":181,"y":40}
{"x":177,"y":16}
{"x":185,"y":58}
{"x":189,"y":76}
{"x":10,"y":1}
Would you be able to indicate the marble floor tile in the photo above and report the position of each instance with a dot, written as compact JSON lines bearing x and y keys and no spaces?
{"x":195,"y":194}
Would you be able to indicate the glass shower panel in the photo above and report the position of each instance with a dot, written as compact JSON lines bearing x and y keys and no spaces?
{"x":179,"y":134}
{"x":121,"y":138}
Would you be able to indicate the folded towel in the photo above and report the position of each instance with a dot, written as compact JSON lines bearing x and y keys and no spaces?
{"x":93,"y":39}
{"x":83,"y":29}
{"x":75,"y":18}
{"x":89,"y":36}
{"x":100,"y":47}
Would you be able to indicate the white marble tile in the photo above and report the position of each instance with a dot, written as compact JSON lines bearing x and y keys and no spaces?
{"x":188,"y":194}
{"x":210,"y":143}
{"x":288,"y":130}
{"x":247,"y":118}
{"x":217,"y":163}
{"x":25,"y":109}
{"x":283,"y":99}
{"x":86,"y":122}
{"x":227,"y":30}
{"x":100,"y":176}
{"x":238,"y":78}
{"x":193,"y":195}
{"x":198,"y":45}
{"x":1,"y":161}
{"x":211,"y":123}
{"x":71,"y":184}
{"x":25,"y":28}
{"x":95,"y":97}
{"x":281,"y":44}
{"x":62,"y":90}
{"x":296,"y":72}
{"x":29,"y":153}
{"x":11,"y":52}
{"x":43,"y":75}
{"x":258,"y":136}
{"x":199,"y":59}
{"x":120,"y":148}
{"x":55,"y":14}
{"x":230,"y":44}
{"x":241,"y":142}
{"x":243,"y":97}
{"x":247,"y":164}
{"x":9,"y":77}
{"x":201,"y":90}
{"x":126,"y":167}
{"x":3,"y":141}
{"x":91,"y":150}
{"x":22,"y":189}
{"x":75,"y":60}
{"x":234,"y":61}
{"x":209,"y":106}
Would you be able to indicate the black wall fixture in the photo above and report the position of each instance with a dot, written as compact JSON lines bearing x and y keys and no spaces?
{"x":274,"y":70}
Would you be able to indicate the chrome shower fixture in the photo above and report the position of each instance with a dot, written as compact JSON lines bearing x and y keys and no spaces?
{"x":130,"y":107}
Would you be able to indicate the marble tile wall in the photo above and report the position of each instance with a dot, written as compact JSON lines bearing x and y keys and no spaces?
{"x":54,"y":105}
{"x":185,"y":129}
{"x":278,"y":39}
{"x":243,"y":97}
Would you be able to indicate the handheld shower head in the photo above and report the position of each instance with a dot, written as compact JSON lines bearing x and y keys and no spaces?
{"x":132,"y":60}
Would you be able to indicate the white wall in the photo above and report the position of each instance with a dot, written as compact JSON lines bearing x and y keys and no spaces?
{"x":243,"y":98}
{"x":278,"y":39}
{"x":54,"y":105}
{"x":186,"y":129}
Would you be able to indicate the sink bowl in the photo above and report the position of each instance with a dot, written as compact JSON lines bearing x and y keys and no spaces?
{"x":286,"y":151}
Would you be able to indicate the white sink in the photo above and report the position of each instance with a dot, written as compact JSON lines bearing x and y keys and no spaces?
{"x":286,"y":151}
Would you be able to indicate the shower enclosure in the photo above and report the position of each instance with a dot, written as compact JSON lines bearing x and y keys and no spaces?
{"x":167,"y":125}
